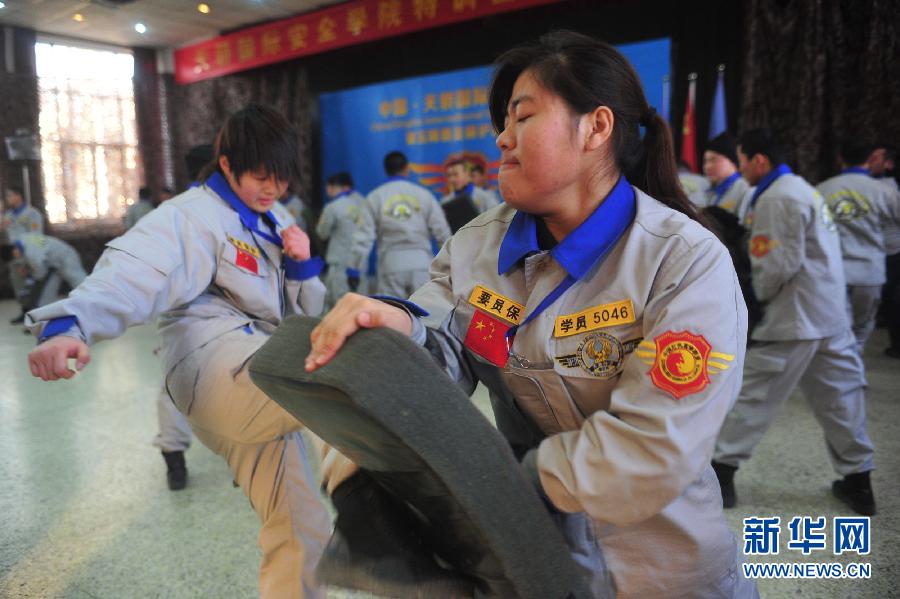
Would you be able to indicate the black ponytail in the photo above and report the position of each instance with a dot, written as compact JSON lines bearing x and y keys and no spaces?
{"x":656,"y":174}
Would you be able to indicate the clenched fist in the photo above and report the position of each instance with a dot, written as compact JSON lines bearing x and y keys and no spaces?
{"x":296,"y":243}
{"x":50,"y":360}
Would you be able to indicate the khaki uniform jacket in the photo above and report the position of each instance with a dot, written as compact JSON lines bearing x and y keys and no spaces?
{"x":294,"y":206}
{"x":42,"y":252}
{"x":337,"y":225}
{"x":482,"y":199}
{"x":404,"y":217}
{"x":194,"y":264}
{"x":26,"y":220}
{"x":735,"y":199}
{"x":691,"y":183}
{"x":136,"y":212}
{"x":795,"y":256}
{"x":623,"y":382}
{"x":863,"y":208}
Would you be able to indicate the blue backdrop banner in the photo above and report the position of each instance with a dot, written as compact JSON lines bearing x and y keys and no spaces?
{"x":429,"y":118}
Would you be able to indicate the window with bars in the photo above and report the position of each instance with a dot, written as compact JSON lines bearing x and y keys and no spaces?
{"x":89,"y":151}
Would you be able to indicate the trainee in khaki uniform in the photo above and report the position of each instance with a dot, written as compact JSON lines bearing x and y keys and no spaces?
{"x":174,"y":436}
{"x":294,"y":205}
{"x":19,"y":218}
{"x":694,"y":185}
{"x":608,"y":326}
{"x":337,"y":225}
{"x":863,"y":208}
{"x":139,"y":209}
{"x":220,"y":269}
{"x":459,"y":178}
{"x":49,"y":261}
{"x":403,"y":217}
{"x":477,"y":165}
{"x":728,"y":190}
{"x":804,"y":336}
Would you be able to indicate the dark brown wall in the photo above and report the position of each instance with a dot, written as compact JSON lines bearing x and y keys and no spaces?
{"x":819,"y":72}
{"x":19,"y":108}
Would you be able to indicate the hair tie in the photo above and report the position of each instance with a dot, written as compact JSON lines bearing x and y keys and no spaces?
{"x":648,"y":117}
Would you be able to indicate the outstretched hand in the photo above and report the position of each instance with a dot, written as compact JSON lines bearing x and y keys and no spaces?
{"x":351,"y":313}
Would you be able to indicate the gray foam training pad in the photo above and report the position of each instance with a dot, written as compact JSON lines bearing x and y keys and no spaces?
{"x":385,"y":404}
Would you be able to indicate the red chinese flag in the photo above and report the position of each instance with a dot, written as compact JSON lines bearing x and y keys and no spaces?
{"x":487,"y":338}
{"x":246,"y":261}
{"x":688,"y":131}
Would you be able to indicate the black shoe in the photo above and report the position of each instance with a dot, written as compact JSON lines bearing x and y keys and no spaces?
{"x":856,"y":491}
{"x":725,"y":474}
{"x":176,"y":476}
{"x":377,"y":547}
{"x":892,"y":352}
{"x":18,"y":319}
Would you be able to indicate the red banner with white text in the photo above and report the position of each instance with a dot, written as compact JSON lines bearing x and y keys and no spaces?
{"x":344,"y":25}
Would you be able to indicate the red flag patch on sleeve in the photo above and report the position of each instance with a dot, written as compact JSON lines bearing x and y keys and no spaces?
{"x":486,"y":337}
{"x":246,"y":261}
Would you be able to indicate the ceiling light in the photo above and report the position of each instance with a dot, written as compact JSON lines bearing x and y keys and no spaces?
{"x":203,"y":7}
{"x":2,"y":4}
{"x":140,"y":28}
{"x":78,"y":17}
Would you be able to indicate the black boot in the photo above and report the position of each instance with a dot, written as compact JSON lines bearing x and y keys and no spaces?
{"x":376,"y":547}
{"x":725,"y":474}
{"x":18,"y":319}
{"x":176,"y":476}
{"x":856,"y":491}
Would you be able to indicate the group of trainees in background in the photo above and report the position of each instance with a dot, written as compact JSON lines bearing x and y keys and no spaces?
{"x":864,"y":202}
{"x":400,"y":217}
{"x":626,"y":345}
{"x":38,"y":264}
{"x":819,"y":259}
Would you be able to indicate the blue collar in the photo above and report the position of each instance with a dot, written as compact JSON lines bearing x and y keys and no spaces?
{"x":249,"y":218}
{"x":467,"y":190}
{"x":18,"y":211}
{"x":855,"y":170}
{"x":397,"y":178}
{"x":582,"y":248}
{"x":765,"y":182}
{"x":723,"y":187}
{"x":343,"y":194}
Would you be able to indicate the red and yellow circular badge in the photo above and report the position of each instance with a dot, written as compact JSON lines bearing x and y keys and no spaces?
{"x":680,"y":367}
{"x":762,"y":245}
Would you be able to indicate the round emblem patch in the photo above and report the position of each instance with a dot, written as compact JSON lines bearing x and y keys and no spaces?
{"x":761,"y":245}
{"x":680,"y":366}
{"x":401,"y":207}
{"x":600,"y":354}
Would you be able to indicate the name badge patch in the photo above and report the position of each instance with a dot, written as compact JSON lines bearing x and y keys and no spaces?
{"x":598,"y":317}
{"x":244,"y":246}
{"x":497,"y":305}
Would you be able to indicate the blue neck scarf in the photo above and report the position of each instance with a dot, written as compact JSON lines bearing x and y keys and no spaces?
{"x":249,"y":218}
{"x":723,"y":187}
{"x":781,"y":169}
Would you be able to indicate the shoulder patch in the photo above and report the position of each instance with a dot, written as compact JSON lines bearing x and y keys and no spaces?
{"x":761,"y":245}
{"x":682,"y":362}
